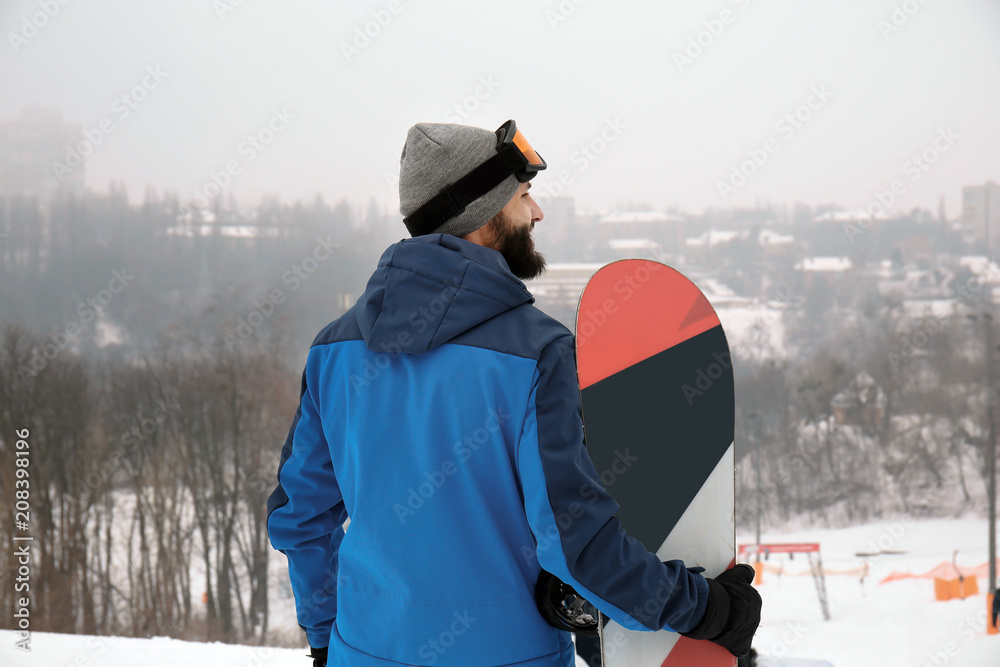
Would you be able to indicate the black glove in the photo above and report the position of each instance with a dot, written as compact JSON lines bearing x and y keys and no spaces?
{"x":562,"y":607}
{"x":733,"y":611}
{"x":318,"y":655}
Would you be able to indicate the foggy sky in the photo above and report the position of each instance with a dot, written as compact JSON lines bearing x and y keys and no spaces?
{"x":673,"y":129}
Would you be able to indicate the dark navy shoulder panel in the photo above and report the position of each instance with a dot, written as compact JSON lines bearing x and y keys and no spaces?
{"x":343,"y":328}
{"x":523,"y":331}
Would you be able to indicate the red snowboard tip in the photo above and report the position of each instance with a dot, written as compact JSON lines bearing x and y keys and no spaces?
{"x":642,"y":326}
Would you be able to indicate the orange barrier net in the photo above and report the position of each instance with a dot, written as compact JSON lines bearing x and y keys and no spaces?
{"x":779,"y":569}
{"x":943,"y":570}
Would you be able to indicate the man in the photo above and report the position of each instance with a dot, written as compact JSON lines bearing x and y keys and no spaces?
{"x":442,"y":414}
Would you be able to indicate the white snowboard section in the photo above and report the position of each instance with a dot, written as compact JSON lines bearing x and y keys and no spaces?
{"x":705,"y":536}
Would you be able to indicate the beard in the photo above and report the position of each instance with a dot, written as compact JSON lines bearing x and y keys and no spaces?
{"x":517,"y":247}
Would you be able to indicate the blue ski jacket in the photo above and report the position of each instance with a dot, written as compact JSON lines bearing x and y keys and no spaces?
{"x":442,"y":414}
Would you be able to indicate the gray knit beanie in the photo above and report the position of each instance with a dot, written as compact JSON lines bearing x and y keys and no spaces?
{"x":438,"y":154}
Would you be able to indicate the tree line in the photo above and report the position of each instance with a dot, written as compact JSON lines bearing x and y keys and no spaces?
{"x":149,"y":482}
{"x":155,"y":357}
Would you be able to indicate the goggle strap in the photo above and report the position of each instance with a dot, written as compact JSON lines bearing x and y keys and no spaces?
{"x":453,"y":199}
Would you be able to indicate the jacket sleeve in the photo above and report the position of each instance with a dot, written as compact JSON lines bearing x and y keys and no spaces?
{"x":577,"y":536}
{"x":305,"y":517}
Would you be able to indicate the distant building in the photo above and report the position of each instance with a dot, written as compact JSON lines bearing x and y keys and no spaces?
{"x":719,"y":294}
{"x":828,"y":270}
{"x":194,"y":222}
{"x":853,"y":216}
{"x":560,"y":216}
{"x":986,"y":272}
{"x":904,"y":283}
{"x":562,"y":283}
{"x":635,"y":248}
{"x":707,"y":246}
{"x":29,"y":149}
{"x":775,"y":244}
{"x":981,"y":213}
{"x":666,"y":229}
{"x":557,"y":291}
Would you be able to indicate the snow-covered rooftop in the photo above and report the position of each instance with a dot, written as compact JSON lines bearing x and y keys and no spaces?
{"x":714,"y":237}
{"x":981,"y":266}
{"x":633,"y":244}
{"x":228,"y":231}
{"x":827,"y":264}
{"x":915,"y":309}
{"x":853,"y":215}
{"x":770,"y":237}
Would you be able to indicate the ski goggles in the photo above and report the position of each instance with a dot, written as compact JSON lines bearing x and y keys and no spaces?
{"x":510,"y":139}
{"x":514,"y":156}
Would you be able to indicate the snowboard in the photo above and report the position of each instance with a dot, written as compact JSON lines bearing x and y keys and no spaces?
{"x":656,"y":377}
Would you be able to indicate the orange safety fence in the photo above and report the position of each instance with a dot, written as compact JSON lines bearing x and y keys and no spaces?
{"x":764,"y":567}
{"x":943,"y":570}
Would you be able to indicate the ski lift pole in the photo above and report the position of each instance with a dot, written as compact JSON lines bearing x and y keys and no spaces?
{"x":820,"y":580}
{"x":991,"y":446}
{"x":993,"y":592}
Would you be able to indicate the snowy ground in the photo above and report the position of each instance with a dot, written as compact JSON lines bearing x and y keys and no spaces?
{"x":896,"y":624}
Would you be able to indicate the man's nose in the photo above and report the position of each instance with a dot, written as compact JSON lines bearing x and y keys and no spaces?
{"x":536,"y":212}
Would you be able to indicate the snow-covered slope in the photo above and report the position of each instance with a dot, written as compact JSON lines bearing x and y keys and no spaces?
{"x":872,"y":625}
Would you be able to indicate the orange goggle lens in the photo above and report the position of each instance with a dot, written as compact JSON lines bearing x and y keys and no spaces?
{"x":527,"y":150}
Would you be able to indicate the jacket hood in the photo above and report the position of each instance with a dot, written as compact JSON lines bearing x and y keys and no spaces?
{"x":429,"y":289}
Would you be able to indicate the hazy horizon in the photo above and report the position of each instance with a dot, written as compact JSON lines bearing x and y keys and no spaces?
{"x":675,"y":121}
